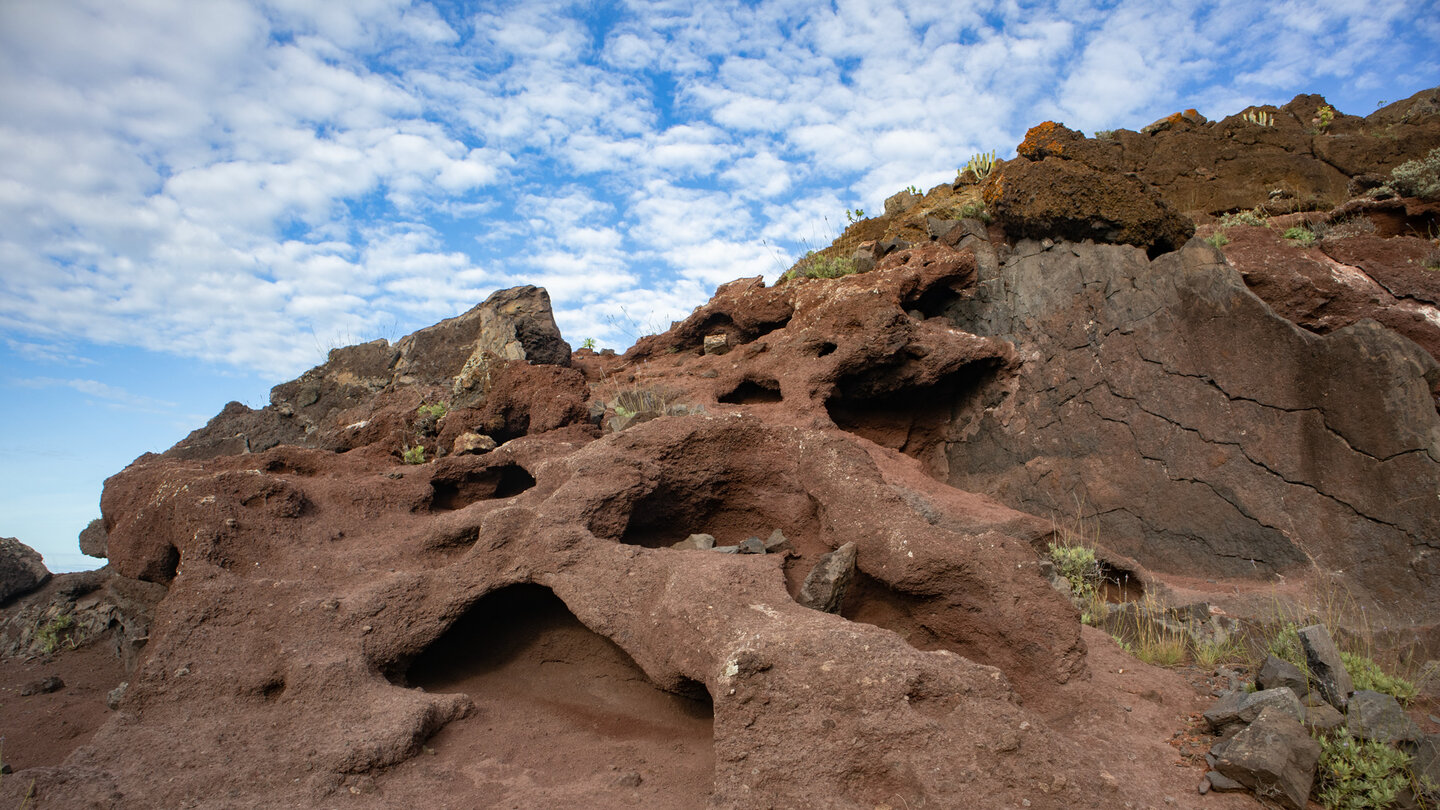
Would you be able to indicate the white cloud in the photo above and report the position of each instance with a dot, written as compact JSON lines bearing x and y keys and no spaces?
{"x":112,"y":395}
{"x":227,"y":180}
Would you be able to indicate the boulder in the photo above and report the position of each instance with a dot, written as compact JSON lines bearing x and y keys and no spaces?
{"x":1425,"y":764}
{"x":22,"y":569}
{"x":1274,"y":756}
{"x":700,"y":542}
{"x":1225,"y":711}
{"x":1326,"y":667}
{"x":1323,"y":717}
{"x":471,"y":443}
{"x":1066,"y":199}
{"x":1277,"y":672}
{"x":1280,"y":699}
{"x":92,"y":539}
{"x":825,"y":585}
{"x":1379,"y":717}
{"x":718,"y":343}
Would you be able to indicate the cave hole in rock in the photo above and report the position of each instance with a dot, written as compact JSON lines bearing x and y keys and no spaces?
{"x":825,"y":348}
{"x":464,"y":488}
{"x":746,"y":497}
{"x":914,"y":419}
{"x":1119,"y":585}
{"x":934,"y":302}
{"x":558,"y":699}
{"x":753,"y":392}
{"x":735,"y":334}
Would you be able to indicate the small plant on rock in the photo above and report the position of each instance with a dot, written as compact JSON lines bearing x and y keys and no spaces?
{"x":1416,"y":178}
{"x":1359,"y":774}
{"x":817,"y":265}
{"x":980,"y":165}
{"x":913,"y":190}
{"x":49,"y":637}
{"x":588,"y":343}
{"x":1218,"y":239}
{"x":413,"y":455}
{"x":1324,"y":116}
{"x":975,"y":210}
{"x":1104,"y":134}
{"x":854,"y":215}
{"x":1259,"y":118}
{"x":1368,"y":675}
{"x":1255,"y":216}
{"x":1304,"y":236}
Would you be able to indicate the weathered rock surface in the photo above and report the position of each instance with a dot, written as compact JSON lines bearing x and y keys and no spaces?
{"x":824,"y":587}
{"x":22,"y":569}
{"x":1200,"y":431}
{"x":339,"y":627}
{"x":92,"y":539}
{"x":1375,"y":716}
{"x":1273,"y":756}
{"x":1277,"y":672}
{"x":1344,"y":279}
{"x":1233,"y":164}
{"x":1066,"y":199}
{"x":1326,"y":667}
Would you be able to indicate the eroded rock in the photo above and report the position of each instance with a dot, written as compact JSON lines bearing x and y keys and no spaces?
{"x":22,"y":569}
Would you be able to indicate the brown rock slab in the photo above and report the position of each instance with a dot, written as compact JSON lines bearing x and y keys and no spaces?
{"x":92,"y":539}
{"x":22,"y":569}
{"x":825,"y":585}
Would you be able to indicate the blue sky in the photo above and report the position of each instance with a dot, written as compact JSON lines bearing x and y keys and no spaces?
{"x":198,"y":200}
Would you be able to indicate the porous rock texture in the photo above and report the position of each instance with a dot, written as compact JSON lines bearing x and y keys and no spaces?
{"x":325,"y":601}
{"x":1204,"y":167}
{"x":513,"y":626}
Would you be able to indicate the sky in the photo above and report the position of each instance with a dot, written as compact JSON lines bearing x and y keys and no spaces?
{"x":199,"y":199}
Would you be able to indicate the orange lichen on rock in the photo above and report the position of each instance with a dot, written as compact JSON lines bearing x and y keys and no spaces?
{"x":1040,"y":141}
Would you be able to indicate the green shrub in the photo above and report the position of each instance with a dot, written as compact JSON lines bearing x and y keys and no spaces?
{"x":588,"y":343}
{"x":1218,"y":239}
{"x":1304,"y":236}
{"x":975,"y":210}
{"x":414,"y":455}
{"x":49,"y":636}
{"x":854,"y":215}
{"x":1105,"y":135}
{"x":1324,"y":116}
{"x":1368,"y":675}
{"x":434,"y":411}
{"x":1077,"y":566}
{"x":1417,"y":178}
{"x":1358,"y":774}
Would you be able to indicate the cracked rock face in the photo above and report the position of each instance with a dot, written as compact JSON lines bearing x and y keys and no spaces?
{"x":1204,"y":433}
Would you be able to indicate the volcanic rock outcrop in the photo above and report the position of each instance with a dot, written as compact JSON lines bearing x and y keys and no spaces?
{"x":445,"y":572}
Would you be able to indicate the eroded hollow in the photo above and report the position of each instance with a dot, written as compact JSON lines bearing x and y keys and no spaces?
{"x":554,"y":698}
{"x":917,"y":420}
{"x":458,"y":490}
{"x":730,"y":505}
{"x":753,"y":392}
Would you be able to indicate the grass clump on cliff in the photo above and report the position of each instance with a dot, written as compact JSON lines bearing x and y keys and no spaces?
{"x":413,"y":455}
{"x":818,"y":265}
